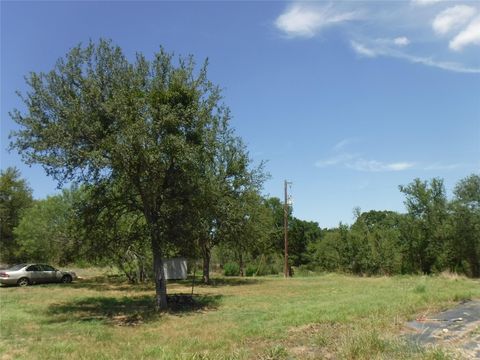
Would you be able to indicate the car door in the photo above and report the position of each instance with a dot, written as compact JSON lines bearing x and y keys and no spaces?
{"x":35,"y":274}
{"x":49,"y":273}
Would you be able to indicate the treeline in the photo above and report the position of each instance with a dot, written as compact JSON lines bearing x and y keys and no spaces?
{"x":435,"y":234}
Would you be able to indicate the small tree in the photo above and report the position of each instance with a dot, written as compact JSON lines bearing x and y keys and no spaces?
{"x":249,"y":227}
{"x":227,"y":184}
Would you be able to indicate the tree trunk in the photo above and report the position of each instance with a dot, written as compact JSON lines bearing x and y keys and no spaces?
{"x":206,"y":255}
{"x":160,"y":282}
{"x":240,"y":260}
{"x":474,"y":264}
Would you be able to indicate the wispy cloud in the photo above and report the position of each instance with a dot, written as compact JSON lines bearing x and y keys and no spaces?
{"x":440,"y":166}
{"x":452,"y":18}
{"x":439,"y":30}
{"x":360,"y":163}
{"x":362,"y":50}
{"x":375,"y":50}
{"x":306,"y":20}
{"x":343,"y":143}
{"x":401,"y":41}
{"x":356,"y":162}
{"x":425,"y":2}
{"x":469,"y":36}
{"x":378,"y":166}
{"x":335,"y":160}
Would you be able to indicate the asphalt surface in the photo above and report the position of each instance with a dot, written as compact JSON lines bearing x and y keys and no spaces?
{"x":457,"y":328}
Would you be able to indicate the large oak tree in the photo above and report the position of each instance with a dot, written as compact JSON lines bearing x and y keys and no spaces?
{"x":144,"y":127}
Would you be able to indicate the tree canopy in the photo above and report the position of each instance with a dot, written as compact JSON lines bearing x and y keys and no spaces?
{"x":145,"y":128}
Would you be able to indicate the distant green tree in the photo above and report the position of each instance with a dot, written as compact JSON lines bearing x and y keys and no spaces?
{"x":15,"y":198}
{"x":465,"y":225}
{"x":332,"y":252}
{"x":142,"y":127}
{"x":47,"y":231}
{"x":424,"y":228}
{"x":247,"y":233}
{"x":378,"y":234}
{"x":301,"y":234}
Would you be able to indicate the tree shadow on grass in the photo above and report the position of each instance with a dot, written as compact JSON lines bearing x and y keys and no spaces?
{"x":119,"y":283}
{"x":111,"y":282}
{"x":221,"y":281}
{"x":128,"y":311}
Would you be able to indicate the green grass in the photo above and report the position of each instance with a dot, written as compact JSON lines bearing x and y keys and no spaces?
{"x":328,"y":316}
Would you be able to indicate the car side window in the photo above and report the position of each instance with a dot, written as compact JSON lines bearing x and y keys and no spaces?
{"x":33,"y":268}
{"x":47,"y":268}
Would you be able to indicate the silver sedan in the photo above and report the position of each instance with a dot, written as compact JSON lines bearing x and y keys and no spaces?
{"x":26,"y":274}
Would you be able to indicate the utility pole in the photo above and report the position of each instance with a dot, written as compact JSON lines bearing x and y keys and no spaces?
{"x":285,"y":223}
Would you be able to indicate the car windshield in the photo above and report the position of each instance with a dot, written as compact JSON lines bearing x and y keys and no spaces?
{"x":17,"y":267}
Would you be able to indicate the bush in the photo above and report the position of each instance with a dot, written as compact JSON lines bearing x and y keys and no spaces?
{"x":231,"y":269}
{"x":306,"y":270}
{"x":272,"y":265}
{"x":250,"y":270}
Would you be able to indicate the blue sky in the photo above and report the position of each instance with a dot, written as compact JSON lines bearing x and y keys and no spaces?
{"x":347,"y":100}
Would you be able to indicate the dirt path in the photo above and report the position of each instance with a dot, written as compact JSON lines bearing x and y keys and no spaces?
{"x":457,"y":329}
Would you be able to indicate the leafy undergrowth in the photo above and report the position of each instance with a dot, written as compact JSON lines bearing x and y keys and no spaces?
{"x":329,"y":316}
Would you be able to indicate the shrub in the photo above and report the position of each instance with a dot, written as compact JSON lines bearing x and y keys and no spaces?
{"x":306,"y":270}
{"x":231,"y":269}
{"x":272,"y":265}
{"x":250,"y":270}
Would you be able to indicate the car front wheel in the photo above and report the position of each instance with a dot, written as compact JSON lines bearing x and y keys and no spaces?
{"x":23,"y":282}
{"x":66,"y":279}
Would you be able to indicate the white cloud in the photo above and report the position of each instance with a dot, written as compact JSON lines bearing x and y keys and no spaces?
{"x":342,"y":144}
{"x":469,"y":36}
{"x":335,"y":160}
{"x":425,"y":2}
{"x":357,"y":162}
{"x":399,"y":166}
{"x":377,"y":166}
{"x":440,"y":166}
{"x":363,"y":50}
{"x":301,"y":20}
{"x":388,"y":30}
{"x":372,"y":51}
{"x":452,"y":18}
{"x":401,"y":41}
{"x":444,"y":65}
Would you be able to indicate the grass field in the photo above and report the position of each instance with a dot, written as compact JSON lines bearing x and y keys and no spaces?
{"x":329,"y":316}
